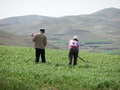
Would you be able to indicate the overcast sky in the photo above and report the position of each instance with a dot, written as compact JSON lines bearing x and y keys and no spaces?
{"x":53,"y":8}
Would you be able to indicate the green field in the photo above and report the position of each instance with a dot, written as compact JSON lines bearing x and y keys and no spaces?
{"x":84,"y":41}
{"x":18,"y":71}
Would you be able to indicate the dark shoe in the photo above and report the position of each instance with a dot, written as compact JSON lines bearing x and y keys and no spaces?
{"x":43,"y":62}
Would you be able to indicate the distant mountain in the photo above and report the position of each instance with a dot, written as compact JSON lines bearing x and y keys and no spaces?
{"x":23,"y":19}
{"x":108,"y":13}
{"x":101,"y":25}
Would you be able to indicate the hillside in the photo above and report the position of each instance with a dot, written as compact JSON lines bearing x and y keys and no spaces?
{"x":110,"y":13}
{"x":17,"y":40}
{"x":101,"y":25}
{"x":22,"y":19}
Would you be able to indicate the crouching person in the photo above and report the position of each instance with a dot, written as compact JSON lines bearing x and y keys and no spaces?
{"x":73,"y":50}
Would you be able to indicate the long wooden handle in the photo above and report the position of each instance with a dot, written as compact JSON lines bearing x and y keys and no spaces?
{"x":83,"y":59}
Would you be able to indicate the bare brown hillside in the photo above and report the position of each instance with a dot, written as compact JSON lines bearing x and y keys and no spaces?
{"x":17,"y":40}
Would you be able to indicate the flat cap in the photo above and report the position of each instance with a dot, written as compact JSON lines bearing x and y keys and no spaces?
{"x":42,"y":29}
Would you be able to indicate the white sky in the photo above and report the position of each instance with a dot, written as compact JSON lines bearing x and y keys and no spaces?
{"x":53,"y":8}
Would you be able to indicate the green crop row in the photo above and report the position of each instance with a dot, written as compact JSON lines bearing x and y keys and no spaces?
{"x":84,"y":41}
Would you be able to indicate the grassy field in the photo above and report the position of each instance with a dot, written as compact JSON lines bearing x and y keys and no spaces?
{"x":18,"y":71}
{"x":98,"y":46}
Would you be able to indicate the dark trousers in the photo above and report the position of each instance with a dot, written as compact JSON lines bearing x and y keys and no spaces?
{"x":40,"y":52}
{"x":73,"y":53}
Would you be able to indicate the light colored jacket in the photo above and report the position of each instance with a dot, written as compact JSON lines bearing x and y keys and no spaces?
{"x":73,"y":43}
{"x":40,"y":41}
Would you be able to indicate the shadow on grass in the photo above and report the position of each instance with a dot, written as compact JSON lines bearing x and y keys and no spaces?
{"x":57,"y":65}
{"x":72,"y":66}
{"x":64,"y":65}
{"x":85,"y":66}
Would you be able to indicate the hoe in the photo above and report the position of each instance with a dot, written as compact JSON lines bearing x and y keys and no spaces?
{"x":83,"y":60}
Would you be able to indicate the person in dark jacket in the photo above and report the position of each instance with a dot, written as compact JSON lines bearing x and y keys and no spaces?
{"x":73,"y":50}
{"x":40,"y":42}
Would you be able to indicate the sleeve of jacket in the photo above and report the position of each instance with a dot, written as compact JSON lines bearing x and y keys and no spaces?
{"x":33,"y":38}
{"x":45,"y":42}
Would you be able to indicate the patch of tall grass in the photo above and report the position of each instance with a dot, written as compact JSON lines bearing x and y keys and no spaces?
{"x":18,"y":71}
